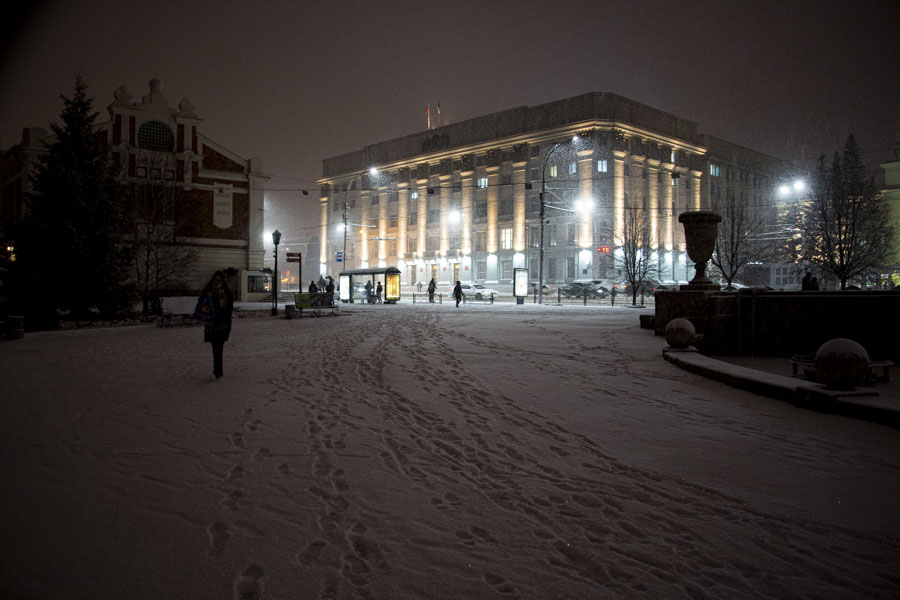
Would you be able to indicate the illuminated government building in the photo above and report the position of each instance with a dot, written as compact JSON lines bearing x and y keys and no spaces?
{"x":463,"y":201}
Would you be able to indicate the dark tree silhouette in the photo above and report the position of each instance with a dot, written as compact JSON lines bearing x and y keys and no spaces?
{"x":847,"y":231}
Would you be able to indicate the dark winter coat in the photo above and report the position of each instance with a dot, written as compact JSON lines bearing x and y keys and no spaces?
{"x":223,"y":301}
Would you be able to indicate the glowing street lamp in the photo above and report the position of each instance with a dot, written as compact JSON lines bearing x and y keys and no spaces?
{"x":276,"y":239}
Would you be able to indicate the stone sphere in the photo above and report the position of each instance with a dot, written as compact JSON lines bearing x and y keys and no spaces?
{"x":841,"y":364}
{"x":680,"y":333}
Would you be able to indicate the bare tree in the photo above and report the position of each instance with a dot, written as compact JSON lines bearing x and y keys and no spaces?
{"x":739,"y":239}
{"x":847,"y":231}
{"x":160,"y":263}
{"x":635,"y":258}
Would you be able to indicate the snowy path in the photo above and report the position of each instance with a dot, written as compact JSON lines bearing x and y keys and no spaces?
{"x":427,"y":452}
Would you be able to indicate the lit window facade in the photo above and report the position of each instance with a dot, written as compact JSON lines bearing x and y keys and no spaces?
{"x":482,"y":195}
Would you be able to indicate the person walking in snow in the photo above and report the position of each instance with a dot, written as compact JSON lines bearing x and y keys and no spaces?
{"x":378,"y":291}
{"x":457,"y":293}
{"x":313,"y":288}
{"x":432,"y":286}
{"x":218,"y":332}
{"x":369,"y":298}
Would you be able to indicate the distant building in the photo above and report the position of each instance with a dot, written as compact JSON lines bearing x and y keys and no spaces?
{"x":197,"y":195}
{"x":463,"y":201}
{"x":892,"y":194}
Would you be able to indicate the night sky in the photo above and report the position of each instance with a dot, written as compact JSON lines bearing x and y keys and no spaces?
{"x":296,"y":82}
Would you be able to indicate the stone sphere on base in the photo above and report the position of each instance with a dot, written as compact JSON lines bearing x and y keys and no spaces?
{"x":841,"y":364}
{"x":680,"y":333}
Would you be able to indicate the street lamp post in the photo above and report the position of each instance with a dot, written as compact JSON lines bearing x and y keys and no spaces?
{"x":542,"y":215}
{"x":276,"y":239}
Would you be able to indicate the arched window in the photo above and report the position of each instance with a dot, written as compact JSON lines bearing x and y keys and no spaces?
{"x":156,"y":135}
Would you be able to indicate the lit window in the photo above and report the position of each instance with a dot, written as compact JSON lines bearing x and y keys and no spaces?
{"x":506,"y":238}
{"x":714,"y":170}
{"x":553,"y":170}
{"x":413,"y":195}
{"x":573,"y":167}
{"x":672,"y":157}
{"x":602,"y":166}
{"x":482,"y":182}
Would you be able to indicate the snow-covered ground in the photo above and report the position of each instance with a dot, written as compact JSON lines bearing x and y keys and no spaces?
{"x":400,"y":452}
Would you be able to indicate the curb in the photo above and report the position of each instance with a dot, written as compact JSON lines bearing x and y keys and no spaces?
{"x":862,"y":403}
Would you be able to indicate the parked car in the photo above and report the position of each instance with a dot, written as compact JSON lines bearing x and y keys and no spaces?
{"x":579,"y":289}
{"x":476,"y":291}
{"x":645,"y":287}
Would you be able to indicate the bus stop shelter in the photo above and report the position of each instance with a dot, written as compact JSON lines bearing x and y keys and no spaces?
{"x":352,"y":283}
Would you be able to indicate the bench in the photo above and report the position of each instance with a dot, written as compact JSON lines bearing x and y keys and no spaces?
{"x":177,"y":308}
{"x":317,"y":303}
{"x":879,"y":370}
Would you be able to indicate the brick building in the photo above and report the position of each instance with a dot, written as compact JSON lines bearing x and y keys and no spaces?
{"x":191,"y":194}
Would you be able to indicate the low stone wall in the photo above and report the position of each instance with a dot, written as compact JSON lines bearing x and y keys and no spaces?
{"x":767,"y":323}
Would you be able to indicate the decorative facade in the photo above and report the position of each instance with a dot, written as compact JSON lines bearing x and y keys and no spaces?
{"x":199,"y":200}
{"x":464,"y":201}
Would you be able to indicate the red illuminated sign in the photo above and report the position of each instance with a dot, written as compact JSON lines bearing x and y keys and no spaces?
{"x":604,"y":249}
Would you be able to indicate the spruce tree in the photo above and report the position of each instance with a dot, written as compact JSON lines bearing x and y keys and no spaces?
{"x":846,"y":230}
{"x":70,"y":250}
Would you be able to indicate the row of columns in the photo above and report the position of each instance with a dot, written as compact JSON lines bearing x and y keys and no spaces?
{"x":665,"y":201}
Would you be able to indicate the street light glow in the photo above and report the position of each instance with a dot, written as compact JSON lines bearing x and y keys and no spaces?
{"x":373,"y":171}
{"x":784,"y":191}
{"x":799,"y":185}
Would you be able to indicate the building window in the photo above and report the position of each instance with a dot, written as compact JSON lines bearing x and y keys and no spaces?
{"x":571,"y":230}
{"x":455,"y":241}
{"x":506,"y":269}
{"x":714,"y":170}
{"x":482,"y":182}
{"x":506,"y":207}
{"x":535,"y":151}
{"x":393,"y":197}
{"x":412,"y":219}
{"x":602,"y":166}
{"x":431,"y":243}
{"x":434,"y":216}
{"x":551,"y":234}
{"x":392,"y":221}
{"x":506,"y":238}
{"x":573,"y":168}
{"x":414,"y":195}
{"x":374,"y":199}
{"x":392,"y":248}
{"x":258,"y":283}
{"x":480,"y":269}
{"x":156,"y":136}
{"x":554,"y":170}
{"x":570,"y":267}
{"x":535,"y":237}
{"x":481,"y":209}
{"x":480,"y":242}
{"x":672,"y":157}
{"x":412,"y":244}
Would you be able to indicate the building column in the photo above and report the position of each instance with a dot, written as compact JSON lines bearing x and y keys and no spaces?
{"x":382,"y":223}
{"x":618,"y":225}
{"x":362,"y":244}
{"x":586,"y":196}
{"x":653,"y":203}
{"x":446,"y":190}
{"x":323,"y":249}
{"x":695,"y":189}
{"x":466,"y":221}
{"x":518,"y":182}
{"x":493,"y":195}
{"x":402,"y":219}
{"x":422,"y":218}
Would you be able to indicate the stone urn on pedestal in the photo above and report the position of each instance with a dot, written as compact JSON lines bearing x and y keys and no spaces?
{"x":700,"y":236}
